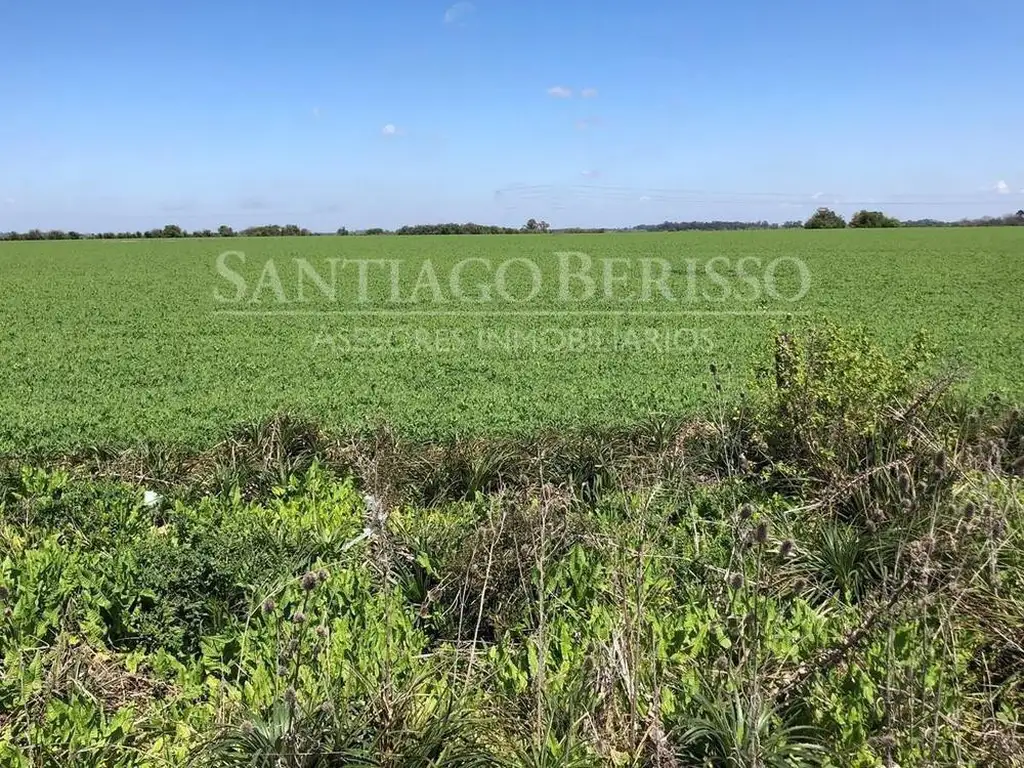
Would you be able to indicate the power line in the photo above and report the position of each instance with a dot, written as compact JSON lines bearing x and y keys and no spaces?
{"x":540,"y":192}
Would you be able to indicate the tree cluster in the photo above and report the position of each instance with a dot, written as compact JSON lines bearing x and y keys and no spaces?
{"x":450,"y":228}
{"x":825,"y":218}
{"x":275,"y":230}
{"x":705,"y":226}
{"x":873,"y":219}
{"x":455,"y":229}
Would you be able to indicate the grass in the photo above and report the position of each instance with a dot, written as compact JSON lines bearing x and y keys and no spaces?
{"x":118,"y":342}
{"x":222,"y":543}
{"x":826,"y":572}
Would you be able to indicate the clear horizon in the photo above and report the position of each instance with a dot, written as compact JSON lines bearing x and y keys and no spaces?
{"x":600,"y":114}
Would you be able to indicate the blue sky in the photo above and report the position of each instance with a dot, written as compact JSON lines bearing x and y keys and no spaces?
{"x":129,"y":115}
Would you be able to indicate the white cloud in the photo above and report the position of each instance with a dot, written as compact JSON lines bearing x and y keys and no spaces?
{"x":560,"y":92}
{"x":588,"y":93}
{"x":591,"y":174}
{"x":459,"y":13}
{"x":389,"y":130}
{"x":1002,"y":187}
{"x":817,"y":196}
{"x":644,"y":198}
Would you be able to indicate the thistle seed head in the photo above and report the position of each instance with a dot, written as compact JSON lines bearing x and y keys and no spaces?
{"x":299,"y":617}
{"x":970,"y":511}
{"x":905,"y":484}
{"x":268,"y":606}
{"x":761,"y":532}
{"x":321,"y":631}
{"x":736,"y":581}
{"x":746,"y":511}
{"x":786,"y":548}
{"x":940,"y":460}
{"x":310,"y":581}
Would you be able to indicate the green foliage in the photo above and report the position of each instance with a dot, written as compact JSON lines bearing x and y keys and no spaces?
{"x":149,"y":361}
{"x":873,"y":219}
{"x":734,"y":731}
{"x":838,"y":585}
{"x":825,"y":218}
{"x":276,"y":631}
{"x":834,"y":395}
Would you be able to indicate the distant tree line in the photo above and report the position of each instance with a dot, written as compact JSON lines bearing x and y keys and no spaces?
{"x":823,"y":218}
{"x":277,"y":230}
{"x":711,"y":226}
{"x":531,"y":226}
{"x":169,"y":231}
{"x":1007,"y":220}
{"x":455,"y":229}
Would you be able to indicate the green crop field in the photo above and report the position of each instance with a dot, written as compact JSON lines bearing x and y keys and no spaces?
{"x":826,"y":572}
{"x":168,"y":340}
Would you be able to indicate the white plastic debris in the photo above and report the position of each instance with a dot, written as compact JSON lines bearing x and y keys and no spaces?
{"x":150,"y":498}
{"x":364,"y":536}
{"x":376,"y":515}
